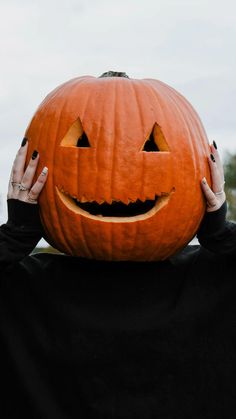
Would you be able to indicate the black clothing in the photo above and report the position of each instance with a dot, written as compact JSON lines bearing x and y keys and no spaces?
{"x":117,"y":340}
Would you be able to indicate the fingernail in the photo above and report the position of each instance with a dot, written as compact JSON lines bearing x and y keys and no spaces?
{"x":212,"y":158}
{"x":204,"y":181}
{"x":44,"y":171}
{"x":34,"y":154}
{"x":24,"y":141}
{"x":214,"y":144}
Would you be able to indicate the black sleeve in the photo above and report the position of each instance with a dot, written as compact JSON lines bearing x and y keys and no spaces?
{"x":20,"y":234}
{"x":217,"y":234}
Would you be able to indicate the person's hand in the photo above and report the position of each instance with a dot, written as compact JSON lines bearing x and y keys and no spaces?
{"x":20,"y":184}
{"x":215,"y":196}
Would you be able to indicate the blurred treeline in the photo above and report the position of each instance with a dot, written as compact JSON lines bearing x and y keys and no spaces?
{"x":230,"y":189}
{"x":230,"y":184}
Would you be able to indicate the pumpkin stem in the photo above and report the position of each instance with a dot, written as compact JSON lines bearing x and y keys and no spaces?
{"x":114,"y":74}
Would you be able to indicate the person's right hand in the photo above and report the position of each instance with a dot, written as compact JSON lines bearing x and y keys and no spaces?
{"x":215,"y":196}
{"x":20,"y":184}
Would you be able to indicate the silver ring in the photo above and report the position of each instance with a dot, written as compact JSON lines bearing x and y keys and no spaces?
{"x":32,"y":200}
{"x":211,"y":205}
{"x":220,"y":192}
{"x":15,"y":184}
{"x":19,"y":186}
{"x":23,"y":188}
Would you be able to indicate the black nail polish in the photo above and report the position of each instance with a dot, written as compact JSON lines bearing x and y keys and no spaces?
{"x":34,"y":154}
{"x":214,"y":144}
{"x":24,"y":141}
{"x":212,"y":158}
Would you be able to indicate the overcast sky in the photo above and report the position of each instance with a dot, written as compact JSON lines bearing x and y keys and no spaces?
{"x":188,"y":44}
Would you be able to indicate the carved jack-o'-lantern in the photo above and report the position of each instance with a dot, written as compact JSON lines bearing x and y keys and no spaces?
{"x":125,"y":159}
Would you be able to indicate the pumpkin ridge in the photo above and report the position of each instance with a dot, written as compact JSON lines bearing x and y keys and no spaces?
{"x":141,"y":183}
{"x":83,"y":229}
{"x":114,"y":144}
{"x":42,"y":132}
{"x":57,"y":126}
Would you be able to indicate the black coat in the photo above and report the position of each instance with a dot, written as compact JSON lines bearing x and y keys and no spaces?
{"x":117,"y":340}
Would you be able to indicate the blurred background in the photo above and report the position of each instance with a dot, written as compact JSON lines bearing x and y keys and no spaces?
{"x":188,"y":44}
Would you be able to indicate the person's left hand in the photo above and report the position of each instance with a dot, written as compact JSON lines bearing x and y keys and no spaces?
{"x":20,"y":186}
{"x":215,"y":196}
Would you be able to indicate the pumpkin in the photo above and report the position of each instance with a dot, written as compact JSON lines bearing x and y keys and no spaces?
{"x":125,"y":159}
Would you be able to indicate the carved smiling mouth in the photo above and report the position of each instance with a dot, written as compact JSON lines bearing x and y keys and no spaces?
{"x":117,"y":208}
{"x":116,"y":211}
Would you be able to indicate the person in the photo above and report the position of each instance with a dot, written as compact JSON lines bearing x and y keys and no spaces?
{"x":116,"y":340}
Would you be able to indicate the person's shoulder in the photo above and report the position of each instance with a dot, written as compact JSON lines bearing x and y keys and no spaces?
{"x":56,"y":261}
{"x":42,"y":262}
{"x":186,"y":255}
{"x":192,"y":254}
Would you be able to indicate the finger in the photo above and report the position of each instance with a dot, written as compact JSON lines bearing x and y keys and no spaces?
{"x":214,"y":151}
{"x":28,"y":176}
{"x":215,"y":174}
{"x":17,"y":168}
{"x":211,"y":198}
{"x":19,"y":162}
{"x":32,"y":196}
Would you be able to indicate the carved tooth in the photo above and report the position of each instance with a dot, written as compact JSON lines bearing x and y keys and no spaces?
{"x":151,"y":197}
{"x":83,"y":199}
{"x":124,"y":201}
{"x":65,"y":192}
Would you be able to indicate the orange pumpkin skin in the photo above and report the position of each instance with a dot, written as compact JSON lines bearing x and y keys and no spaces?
{"x":118,"y":115}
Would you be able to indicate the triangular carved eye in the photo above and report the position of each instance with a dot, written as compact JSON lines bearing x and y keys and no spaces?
{"x":156,"y":141}
{"x":150,"y":144}
{"x":75,"y":136}
{"x":83,"y":141}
